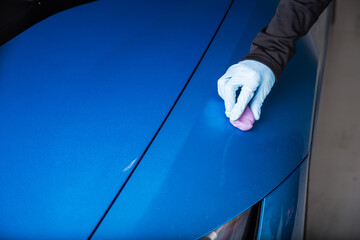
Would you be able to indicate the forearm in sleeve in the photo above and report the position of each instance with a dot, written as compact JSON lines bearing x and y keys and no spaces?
{"x":274,"y":45}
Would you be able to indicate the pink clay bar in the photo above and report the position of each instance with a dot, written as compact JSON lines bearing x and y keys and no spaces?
{"x":246,"y":121}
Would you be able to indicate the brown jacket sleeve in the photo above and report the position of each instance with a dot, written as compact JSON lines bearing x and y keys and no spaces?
{"x":274,"y":45}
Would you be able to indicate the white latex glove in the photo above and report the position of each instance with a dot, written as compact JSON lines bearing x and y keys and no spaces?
{"x":255,"y":80}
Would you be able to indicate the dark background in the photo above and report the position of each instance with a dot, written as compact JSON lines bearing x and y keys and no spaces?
{"x":18,"y":15}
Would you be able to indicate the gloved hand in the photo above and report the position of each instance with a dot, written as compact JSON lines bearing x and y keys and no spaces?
{"x":255,"y":80}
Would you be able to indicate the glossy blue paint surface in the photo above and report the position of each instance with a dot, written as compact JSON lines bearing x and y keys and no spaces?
{"x":283,"y":210}
{"x":81,"y":96}
{"x":200,"y":172}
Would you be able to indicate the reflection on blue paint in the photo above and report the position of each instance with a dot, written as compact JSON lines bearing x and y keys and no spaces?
{"x":211,"y":116}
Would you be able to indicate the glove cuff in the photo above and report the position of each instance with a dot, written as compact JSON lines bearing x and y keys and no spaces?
{"x":261,"y":68}
{"x":276,"y":71}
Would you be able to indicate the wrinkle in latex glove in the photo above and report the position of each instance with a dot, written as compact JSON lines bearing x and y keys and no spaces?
{"x":255,"y":80}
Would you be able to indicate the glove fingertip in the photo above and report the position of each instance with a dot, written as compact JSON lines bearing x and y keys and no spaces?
{"x":257,"y":116}
{"x":256,"y":110}
{"x":232,"y":118}
{"x":235,"y":116}
{"x":227,"y":113}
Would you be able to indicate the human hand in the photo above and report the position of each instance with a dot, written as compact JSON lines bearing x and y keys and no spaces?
{"x":255,"y":80}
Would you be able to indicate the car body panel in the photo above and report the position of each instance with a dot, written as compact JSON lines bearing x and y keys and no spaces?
{"x":283,"y":210}
{"x":82,"y":94}
{"x":200,"y":172}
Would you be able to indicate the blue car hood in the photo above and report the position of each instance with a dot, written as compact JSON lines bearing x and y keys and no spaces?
{"x":200,"y":171}
{"x":82,"y":95}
